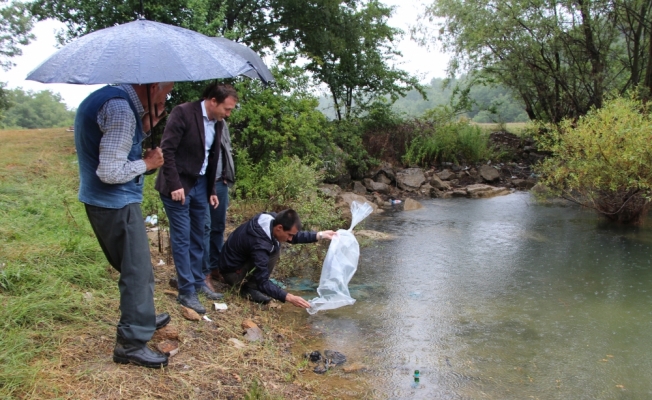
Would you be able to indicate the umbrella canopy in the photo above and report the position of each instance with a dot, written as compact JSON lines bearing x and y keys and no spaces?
{"x":141,"y":52}
{"x":259,"y":69}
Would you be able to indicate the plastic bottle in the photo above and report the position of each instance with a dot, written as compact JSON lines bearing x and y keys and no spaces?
{"x":416,"y":384}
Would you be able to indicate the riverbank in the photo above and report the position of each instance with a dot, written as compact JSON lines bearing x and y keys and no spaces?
{"x":59,"y":304}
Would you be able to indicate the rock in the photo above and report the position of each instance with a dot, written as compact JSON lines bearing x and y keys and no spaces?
{"x":382,"y":178}
{"x":425,"y":189}
{"x":358,"y":188}
{"x":237,"y":343}
{"x":375,"y":235}
{"x":172,"y":293}
{"x":446,"y":195}
{"x":489,"y":173}
{"x":376,"y":186}
{"x":485,"y":191}
{"x":169,"y":347}
{"x":190,"y":314}
{"x":436,"y":182}
{"x":168,"y":332}
{"x":445,"y":175}
{"x":315,"y":356}
{"x":386,"y":169}
{"x":334,"y":357}
{"x":247,"y":323}
{"x":410,"y":179}
{"x":524,"y":184}
{"x":348,"y":198}
{"x":435,"y":193}
{"x":411,"y":204}
{"x":459,"y":193}
{"x":320,"y":369}
{"x":355,"y":367}
{"x":254,"y":334}
{"x":330,"y":190}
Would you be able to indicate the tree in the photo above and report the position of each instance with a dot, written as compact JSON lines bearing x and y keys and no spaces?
{"x":559,"y":57}
{"x":15,"y":27}
{"x":30,"y":110}
{"x":347,"y":43}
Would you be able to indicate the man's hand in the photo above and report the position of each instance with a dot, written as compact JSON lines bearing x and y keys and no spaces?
{"x":153,"y":158}
{"x":179,"y":195}
{"x":214,"y":201}
{"x":297,"y":301}
{"x":326,"y":235}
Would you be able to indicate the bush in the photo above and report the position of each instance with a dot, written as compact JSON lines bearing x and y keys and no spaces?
{"x":447,"y":140}
{"x":603,"y":160}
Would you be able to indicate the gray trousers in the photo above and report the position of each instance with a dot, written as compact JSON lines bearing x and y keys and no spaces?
{"x":122,"y":236}
{"x":244,"y":277}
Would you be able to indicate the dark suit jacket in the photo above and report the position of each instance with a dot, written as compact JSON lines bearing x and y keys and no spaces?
{"x":183,"y":145}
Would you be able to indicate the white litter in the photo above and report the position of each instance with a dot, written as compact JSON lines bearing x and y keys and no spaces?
{"x":219,"y":306}
{"x":207,"y":319}
{"x":340,"y":265}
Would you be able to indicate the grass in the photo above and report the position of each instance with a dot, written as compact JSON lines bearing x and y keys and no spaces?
{"x":59,"y":302}
{"x":517,"y":128}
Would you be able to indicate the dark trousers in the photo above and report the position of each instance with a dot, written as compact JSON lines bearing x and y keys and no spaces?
{"x":187,"y":235}
{"x":244,"y":277}
{"x":122,"y":236}
{"x":214,"y":229}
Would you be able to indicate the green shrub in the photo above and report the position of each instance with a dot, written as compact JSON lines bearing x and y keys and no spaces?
{"x":603,"y":160}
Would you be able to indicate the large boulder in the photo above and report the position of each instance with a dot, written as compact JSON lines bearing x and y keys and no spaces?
{"x":382,"y":178}
{"x":344,"y":200}
{"x":376,"y":186}
{"x":485,"y":191}
{"x":330,"y":190}
{"x":411,"y":204}
{"x":358,"y":188}
{"x":446,"y":175}
{"x":410,"y":179}
{"x":386,"y":169}
{"x":489,"y":173}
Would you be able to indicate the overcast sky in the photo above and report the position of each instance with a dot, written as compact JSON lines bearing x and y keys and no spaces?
{"x":426,"y":64}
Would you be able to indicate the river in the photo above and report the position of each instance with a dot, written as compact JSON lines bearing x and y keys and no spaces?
{"x":498,"y":298}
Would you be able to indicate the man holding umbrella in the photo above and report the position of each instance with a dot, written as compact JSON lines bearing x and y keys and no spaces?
{"x":108,"y":138}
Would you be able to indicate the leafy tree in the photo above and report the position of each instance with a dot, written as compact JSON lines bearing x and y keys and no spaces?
{"x":559,"y":57}
{"x":15,"y":26}
{"x":30,"y":110}
{"x":603,"y":159}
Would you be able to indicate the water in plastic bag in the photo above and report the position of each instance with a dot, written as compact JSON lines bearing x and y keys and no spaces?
{"x":340,"y":265}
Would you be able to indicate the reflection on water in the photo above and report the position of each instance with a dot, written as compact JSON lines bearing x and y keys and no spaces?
{"x":499,"y":299}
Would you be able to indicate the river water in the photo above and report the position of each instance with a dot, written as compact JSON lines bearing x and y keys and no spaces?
{"x":498,"y":298}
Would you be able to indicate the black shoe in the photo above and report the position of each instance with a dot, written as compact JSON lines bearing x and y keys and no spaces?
{"x":162,"y":320}
{"x":209,"y":293}
{"x":191,"y":301}
{"x":127,"y":353}
{"x":255,"y":295}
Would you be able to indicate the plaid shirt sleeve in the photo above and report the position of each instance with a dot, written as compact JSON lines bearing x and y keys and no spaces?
{"x":118,"y":123}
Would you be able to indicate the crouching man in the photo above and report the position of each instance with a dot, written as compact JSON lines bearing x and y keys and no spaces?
{"x":252,"y":251}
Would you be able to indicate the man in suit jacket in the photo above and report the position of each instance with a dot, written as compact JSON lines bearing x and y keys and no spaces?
{"x":186,"y":183}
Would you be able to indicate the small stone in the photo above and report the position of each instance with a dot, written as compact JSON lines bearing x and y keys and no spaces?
{"x":315,"y":356}
{"x":489,"y":174}
{"x":171,"y":293}
{"x":445,"y":175}
{"x":168,"y":347}
{"x":254,"y":334}
{"x":355,"y":367}
{"x":190,"y":314}
{"x":168,"y":332}
{"x":320,"y":369}
{"x":237,"y":343}
{"x":335,"y":357}
{"x":247,"y":323}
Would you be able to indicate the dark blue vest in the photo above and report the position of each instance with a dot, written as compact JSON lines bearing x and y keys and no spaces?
{"x":87,"y":141}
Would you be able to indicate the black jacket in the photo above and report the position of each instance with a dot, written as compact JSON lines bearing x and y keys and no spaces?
{"x":250,"y":243}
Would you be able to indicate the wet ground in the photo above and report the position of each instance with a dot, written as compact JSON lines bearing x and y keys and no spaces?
{"x":495,"y":299}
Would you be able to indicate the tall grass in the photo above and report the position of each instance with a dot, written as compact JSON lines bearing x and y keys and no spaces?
{"x":48,"y":255}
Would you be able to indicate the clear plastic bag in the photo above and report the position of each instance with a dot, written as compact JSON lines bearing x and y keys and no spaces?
{"x":340,"y":265}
